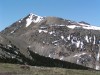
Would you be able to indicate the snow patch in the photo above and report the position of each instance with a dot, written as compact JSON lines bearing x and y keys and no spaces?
{"x":9,"y":46}
{"x":51,"y":32}
{"x":29,"y":46}
{"x":92,"y":28}
{"x":62,"y":37}
{"x":55,"y":44}
{"x":68,"y":37}
{"x":94,"y":40}
{"x":19,"y":21}
{"x":78,"y":44}
{"x":58,"y":25}
{"x":16,"y":52}
{"x":13,"y":57}
{"x":84,"y":26}
{"x":97,"y":67}
{"x":78,"y":55}
{"x":61,"y":58}
{"x":45,"y":31}
{"x":77,"y":61}
{"x":98,"y":56}
{"x":86,"y":38}
{"x":43,"y":41}
{"x":50,"y":55}
{"x":43,"y":27}
{"x":90,"y":39}
{"x":72,"y":26}
{"x":39,"y":18}
{"x":31,"y":19}
{"x":61,"y":25}
{"x":12,"y":31}
{"x":55,"y":41}
{"x":81,"y":45}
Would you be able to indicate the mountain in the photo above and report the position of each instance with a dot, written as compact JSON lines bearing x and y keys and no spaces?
{"x":52,"y":38}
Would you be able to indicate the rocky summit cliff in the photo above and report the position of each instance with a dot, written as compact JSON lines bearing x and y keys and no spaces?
{"x":52,"y":38}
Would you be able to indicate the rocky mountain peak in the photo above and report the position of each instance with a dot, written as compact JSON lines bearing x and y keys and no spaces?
{"x":56,"y":38}
{"x":33,"y":18}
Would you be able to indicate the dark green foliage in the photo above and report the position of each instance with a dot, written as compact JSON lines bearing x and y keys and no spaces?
{"x":49,"y":62}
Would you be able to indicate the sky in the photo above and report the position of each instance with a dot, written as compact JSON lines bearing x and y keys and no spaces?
{"x":76,"y":10}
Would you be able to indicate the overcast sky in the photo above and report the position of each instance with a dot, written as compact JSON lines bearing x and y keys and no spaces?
{"x":76,"y":10}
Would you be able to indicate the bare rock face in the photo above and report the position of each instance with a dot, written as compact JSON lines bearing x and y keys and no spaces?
{"x":52,"y":37}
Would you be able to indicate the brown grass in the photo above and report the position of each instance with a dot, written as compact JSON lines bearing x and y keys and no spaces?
{"x":16,"y":69}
